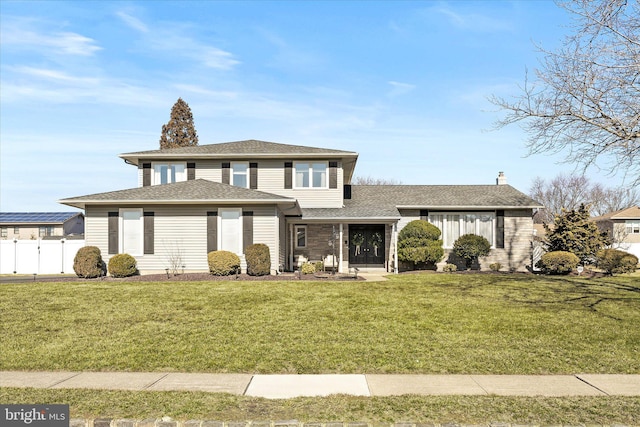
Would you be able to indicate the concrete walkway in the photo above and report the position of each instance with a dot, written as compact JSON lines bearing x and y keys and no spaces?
{"x":288,"y":386}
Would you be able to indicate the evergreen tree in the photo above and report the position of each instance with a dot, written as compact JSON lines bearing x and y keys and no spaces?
{"x":180,"y":131}
{"x":574,"y":232}
{"x":419,"y":243}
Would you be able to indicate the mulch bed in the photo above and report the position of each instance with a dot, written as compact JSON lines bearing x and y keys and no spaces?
{"x":206,"y":277}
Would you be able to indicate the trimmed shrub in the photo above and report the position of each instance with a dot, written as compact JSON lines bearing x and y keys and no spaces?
{"x":258,"y":259}
{"x":470,"y":247}
{"x":449,"y":268}
{"x":223,"y":263}
{"x":88,"y":263}
{"x":122,"y":265}
{"x":308,"y":268}
{"x":558,"y":262}
{"x":319,"y":266}
{"x":614,"y":261}
{"x":418,"y":243}
{"x":496,"y":266}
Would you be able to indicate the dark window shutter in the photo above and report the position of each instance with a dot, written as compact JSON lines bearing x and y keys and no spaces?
{"x":226,"y":173}
{"x":346,"y":193}
{"x":149,"y":231}
{"x":191,"y":171}
{"x":247,"y":230}
{"x":253,"y":175}
{"x":500,"y":229}
{"x":424,"y":214}
{"x":113,"y":219}
{"x":146,"y":174}
{"x":212,"y":231}
{"x":288,"y":175}
{"x":333,"y":174}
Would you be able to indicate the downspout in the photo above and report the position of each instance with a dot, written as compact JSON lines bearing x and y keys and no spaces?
{"x":340,"y":260}
{"x":395,"y":247}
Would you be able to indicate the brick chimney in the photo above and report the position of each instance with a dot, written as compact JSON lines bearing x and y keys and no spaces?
{"x":501,"y":180}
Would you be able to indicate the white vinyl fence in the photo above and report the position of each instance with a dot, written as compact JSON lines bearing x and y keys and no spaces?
{"x":38,"y":256}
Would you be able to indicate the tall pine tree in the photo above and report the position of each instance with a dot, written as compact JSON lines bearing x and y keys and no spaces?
{"x":180,"y":131}
{"x":573,"y":231}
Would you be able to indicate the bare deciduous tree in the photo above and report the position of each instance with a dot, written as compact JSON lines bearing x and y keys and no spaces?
{"x":369,"y":180}
{"x":585,"y":99}
{"x":569,"y":192}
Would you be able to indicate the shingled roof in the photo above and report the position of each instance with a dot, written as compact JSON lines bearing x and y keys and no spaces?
{"x":194,"y":191}
{"x":252,"y":148}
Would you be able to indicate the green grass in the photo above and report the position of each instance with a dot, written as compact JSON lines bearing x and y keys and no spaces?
{"x":420,"y":323}
{"x":421,"y":409}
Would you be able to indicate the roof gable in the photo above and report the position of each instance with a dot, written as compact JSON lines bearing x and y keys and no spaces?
{"x":629,"y":213}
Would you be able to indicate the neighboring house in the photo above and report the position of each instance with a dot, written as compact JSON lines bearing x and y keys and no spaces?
{"x":40,"y":225}
{"x":623,"y":227}
{"x":295,"y":199}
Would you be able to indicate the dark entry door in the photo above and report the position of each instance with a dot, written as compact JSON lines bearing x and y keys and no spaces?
{"x":366,"y":245}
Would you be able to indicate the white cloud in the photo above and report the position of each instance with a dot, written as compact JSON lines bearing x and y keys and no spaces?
{"x":398,"y":88}
{"x":133,"y":22}
{"x":17,"y":32}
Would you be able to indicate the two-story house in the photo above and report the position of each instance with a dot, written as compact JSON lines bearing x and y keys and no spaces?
{"x":297,"y":200}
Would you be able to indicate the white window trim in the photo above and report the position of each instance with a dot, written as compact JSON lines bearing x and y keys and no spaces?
{"x":461,"y":215}
{"x":156,"y":179}
{"x":631,"y":225}
{"x":246,"y":173}
{"x":311,"y":187}
{"x":240,"y":228}
{"x":295,"y":236}
{"x":122,"y":230}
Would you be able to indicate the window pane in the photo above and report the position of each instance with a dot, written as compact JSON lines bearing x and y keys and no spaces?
{"x":302,"y":175}
{"x":452,"y":229}
{"x":486,"y":227}
{"x":240,"y":180}
{"x":437,"y":221}
{"x":132,"y":232}
{"x":319,"y":175}
{"x":163,"y":174}
{"x":470,"y":224}
{"x":240,"y":174}
{"x":301,"y":237}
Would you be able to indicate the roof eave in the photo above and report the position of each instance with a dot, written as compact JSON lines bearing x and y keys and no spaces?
{"x":468,"y":207}
{"x":77,"y":203}
{"x":134,"y":158}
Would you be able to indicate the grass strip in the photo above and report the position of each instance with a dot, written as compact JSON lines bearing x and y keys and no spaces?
{"x":432,"y":409}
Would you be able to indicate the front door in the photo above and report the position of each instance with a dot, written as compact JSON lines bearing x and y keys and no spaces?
{"x":366,"y":245}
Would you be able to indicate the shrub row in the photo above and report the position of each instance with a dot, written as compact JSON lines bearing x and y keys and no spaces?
{"x":88,"y":264}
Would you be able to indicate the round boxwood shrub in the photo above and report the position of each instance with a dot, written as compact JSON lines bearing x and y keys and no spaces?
{"x":223,"y":263}
{"x":122,"y":265}
{"x":470,"y":247}
{"x":558,"y":262}
{"x":308,"y":268}
{"x":88,"y":263}
{"x":418,"y":242}
{"x":496,"y":266}
{"x":614,"y":261}
{"x":258,"y":259}
{"x":449,"y":268}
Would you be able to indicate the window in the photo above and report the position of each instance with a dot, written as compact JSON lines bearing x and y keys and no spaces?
{"x":632,"y":226}
{"x":3,"y":232}
{"x":311,"y":175}
{"x":167,"y":173}
{"x":16,"y":230}
{"x":132,"y":232}
{"x":455,"y":224}
{"x":301,"y":236}
{"x":46,"y":230}
{"x":240,"y":174}
{"x":230,"y":230}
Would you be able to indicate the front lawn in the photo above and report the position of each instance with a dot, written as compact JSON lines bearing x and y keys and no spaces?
{"x":416,"y":323}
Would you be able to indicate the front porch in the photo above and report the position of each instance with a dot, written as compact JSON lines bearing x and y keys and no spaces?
{"x":369,"y":247}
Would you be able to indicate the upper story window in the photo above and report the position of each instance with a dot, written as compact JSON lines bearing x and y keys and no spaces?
{"x":456,"y":224}
{"x":311,"y":175}
{"x":167,"y":173}
{"x":240,"y":174}
{"x":632,"y":226}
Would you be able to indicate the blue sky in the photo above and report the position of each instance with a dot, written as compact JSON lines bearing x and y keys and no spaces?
{"x":403,"y":83}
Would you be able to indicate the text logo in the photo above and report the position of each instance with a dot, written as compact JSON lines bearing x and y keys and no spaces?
{"x":34,"y":415}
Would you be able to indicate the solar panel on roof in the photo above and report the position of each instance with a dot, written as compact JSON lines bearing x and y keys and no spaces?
{"x":35,"y":217}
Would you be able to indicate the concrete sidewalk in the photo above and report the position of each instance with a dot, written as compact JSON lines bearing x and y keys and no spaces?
{"x":288,"y":386}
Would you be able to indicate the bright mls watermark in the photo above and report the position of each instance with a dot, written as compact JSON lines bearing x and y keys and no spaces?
{"x":34,"y":415}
